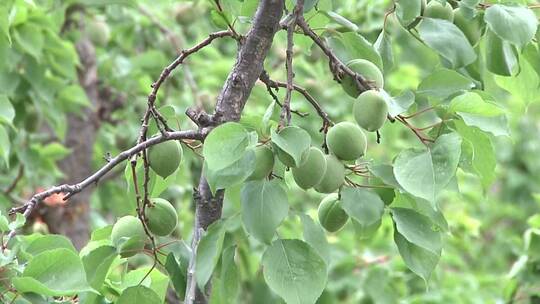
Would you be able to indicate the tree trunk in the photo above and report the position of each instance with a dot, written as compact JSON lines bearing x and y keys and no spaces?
{"x":72,"y":220}
{"x":230,"y":103}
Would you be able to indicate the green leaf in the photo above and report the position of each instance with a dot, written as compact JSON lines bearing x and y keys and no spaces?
{"x":48,"y":242}
{"x":4,"y":23}
{"x":417,"y":229}
{"x":473,"y":103}
{"x":18,"y":222}
{"x":7,"y":112}
{"x":97,"y":263}
{"x":139,"y":295}
{"x":229,"y":276}
{"x":315,"y":236}
{"x":294,"y":271}
{"x":153,"y":279}
{"x":342,"y":21}
{"x":482,"y":156}
{"x":362,"y":205}
{"x":352,"y":45}
{"x":383,"y":45}
{"x":496,"y":125}
{"x":209,"y":251}
{"x":232,"y":175}
{"x":365,"y":231}
{"x":30,"y":38}
{"x":177,"y":276}
{"x":225,"y":145}
{"x":424,"y":173}
{"x":443,"y":83}
{"x":524,"y":87}
{"x":292,"y":140}
{"x":501,"y":56}
{"x":448,"y":40}
{"x":5,"y":145}
{"x":264,"y":206}
{"x":512,"y":23}
{"x":408,"y":10}
{"x":399,"y":104}
{"x":57,"y":272}
{"x":385,"y":173}
{"x":420,"y":261}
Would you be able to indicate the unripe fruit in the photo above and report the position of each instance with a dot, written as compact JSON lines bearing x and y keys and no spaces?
{"x":264,"y":163}
{"x":98,"y":32}
{"x":331,"y":216}
{"x":164,"y":158}
{"x":311,"y":172}
{"x":184,"y":13}
{"x":370,"y":110}
{"x":366,"y":69}
{"x":435,"y":9}
{"x":333,"y":177}
{"x":128,"y":235}
{"x":161,"y":216}
{"x":347,"y":141}
{"x":32,"y":120}
{"x":472,"y":28}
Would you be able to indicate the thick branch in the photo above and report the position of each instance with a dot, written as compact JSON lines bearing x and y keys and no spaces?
{"x":230,"y":103}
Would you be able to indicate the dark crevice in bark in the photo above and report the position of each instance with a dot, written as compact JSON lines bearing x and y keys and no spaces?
{"x":230,"y":103}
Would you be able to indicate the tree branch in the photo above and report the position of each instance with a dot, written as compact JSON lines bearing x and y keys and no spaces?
{"x":230,"y":103}
{"x":68,"y":190}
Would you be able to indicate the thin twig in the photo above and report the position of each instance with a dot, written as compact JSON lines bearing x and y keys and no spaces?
{"x":285,"y":117}
{"x":15,"y":181}
{"x":279,"y":84}
{"x":71,"y":189}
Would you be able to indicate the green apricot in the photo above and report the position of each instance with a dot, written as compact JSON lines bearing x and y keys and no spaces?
{"x":98,"y":32}
{"x":312,"y":171}
{"x":370,"y":110}
{"x":264,"y":163}
{"x":333,"y":177}
{"x":161,"y":216}
{"x":472,"y":28}
{"x":366,"y":69}
{"x":128,"y":235}
{"x":347,"y":141}
{"x":435,"y":9}
{"x":184,"y":13}
{"x":164,"y":158}
{"x":331,"y":216}
{"x":32,"y":121}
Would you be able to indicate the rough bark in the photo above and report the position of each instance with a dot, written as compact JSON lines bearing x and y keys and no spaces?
{"x":72,"y":220}
{"x":230,"y":103}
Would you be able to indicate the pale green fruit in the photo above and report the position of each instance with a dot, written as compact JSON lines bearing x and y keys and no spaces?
{"x":331,"y":216}
{"x":161,"y":216}
{"x":366,"y":69}
{"x":472,"y":28}
{"x":264,"y":163}
{"x":164,"y":158}
{"x":346,"y":140}
{"x":98,"y":32}
{"x":333,"y":177}
{"x":311,"y":172}
{"x":435,"y":9}
{"x":370,"y":110}
{"x":128,"y":235}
